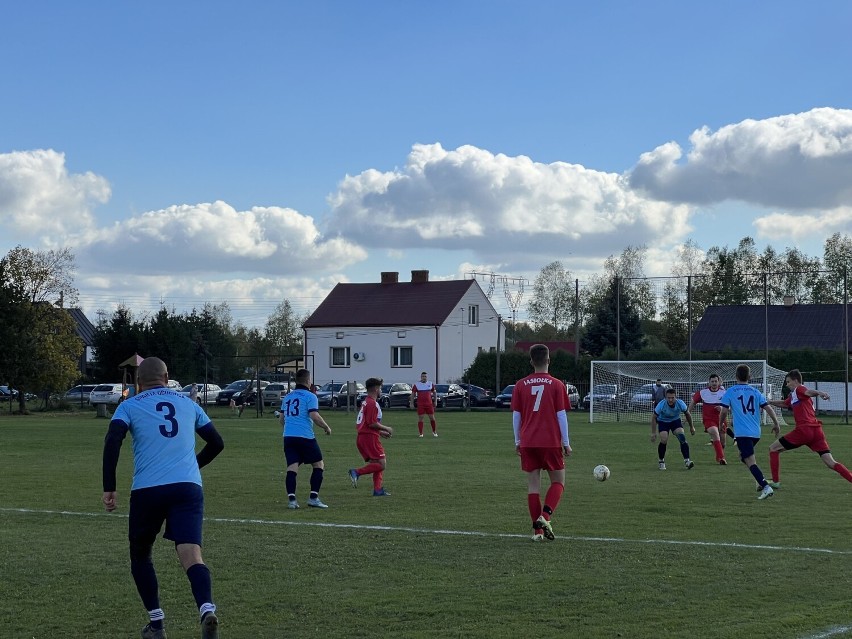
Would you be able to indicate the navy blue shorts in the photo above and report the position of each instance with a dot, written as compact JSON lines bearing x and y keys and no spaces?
{"x":180,"y":505}
{"x":301,"y":450}
{"x":672,"y":426}
{"x":746,"y":446}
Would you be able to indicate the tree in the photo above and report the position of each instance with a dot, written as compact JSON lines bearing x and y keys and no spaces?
{"x":554,"y":301}
{"x":43,"y":275}
{"x":284,"y":330}
{"x":837,"y":260}
{"x":40,"y":348}
{"x":603,"y":327}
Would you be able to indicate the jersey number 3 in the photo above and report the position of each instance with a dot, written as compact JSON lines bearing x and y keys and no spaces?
{"x":168,"y":410}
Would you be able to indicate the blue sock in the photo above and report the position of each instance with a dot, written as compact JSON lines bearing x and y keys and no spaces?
{"x":684,"y":447}
{"x":146,"y":584}
{"x":758,"y":474}
{"x":290,"y":482}
{"x":201,"y":584}
{"x":661,"y":451}
{"x":316,"y":480}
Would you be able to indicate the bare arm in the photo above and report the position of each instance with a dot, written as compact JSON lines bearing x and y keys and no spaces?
{"x":317,"y":419}
{"x":813,"y":393}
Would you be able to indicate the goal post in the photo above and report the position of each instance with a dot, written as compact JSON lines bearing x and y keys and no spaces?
{"x":623,"y":391}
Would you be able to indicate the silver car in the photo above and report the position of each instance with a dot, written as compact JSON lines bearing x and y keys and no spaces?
{"x":205,"y":393}
{"x":106,"y":394}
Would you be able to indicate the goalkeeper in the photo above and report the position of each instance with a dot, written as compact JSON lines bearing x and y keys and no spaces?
{"x":666,"y":419}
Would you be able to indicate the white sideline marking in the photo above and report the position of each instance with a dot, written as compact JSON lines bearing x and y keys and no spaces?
{"x":461,"y":533}
{"x":831,"y":632}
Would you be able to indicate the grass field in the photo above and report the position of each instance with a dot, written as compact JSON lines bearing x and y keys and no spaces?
{"x":645,"y":554}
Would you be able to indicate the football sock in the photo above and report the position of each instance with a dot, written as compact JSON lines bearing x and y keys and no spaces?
{"x":684,"y":447}
{"x":534,"y":504}
{"x":717,"y":445}
{"x":370,"y":469}
{"x":377,"y":479}
{"x":156,"y":617}
{"x":201,"y":584}
{"x":758,"y":475}
{"x":841,"y":470}
{"x":661,"y":451}
{"x":775,"y":464}
{"x":145,"y":578}
{"x":316,"y":480}
{"x":551,"y":499}
{"x":290,"y":482}
{"x":420,"y":427}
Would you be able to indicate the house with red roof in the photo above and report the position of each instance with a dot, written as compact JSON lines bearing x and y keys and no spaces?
{"x":394,"y":330}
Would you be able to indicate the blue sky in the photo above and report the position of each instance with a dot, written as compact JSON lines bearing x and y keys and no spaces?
{"x":255,"y":151}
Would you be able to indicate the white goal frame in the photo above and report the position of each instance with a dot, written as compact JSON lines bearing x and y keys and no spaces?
{"x":685,"y":375}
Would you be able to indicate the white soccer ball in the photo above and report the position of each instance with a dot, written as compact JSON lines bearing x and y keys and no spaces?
{"x":601,"y":472}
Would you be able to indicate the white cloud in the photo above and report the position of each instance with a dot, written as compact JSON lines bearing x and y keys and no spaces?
{"x":799,"y":161}
{"x":505,"y":209}
{"x":784,"y":226}
{"x":212,"y":239}
{"x":39,"y":198}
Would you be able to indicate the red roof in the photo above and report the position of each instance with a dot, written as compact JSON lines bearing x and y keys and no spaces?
{"x":394,"y":304}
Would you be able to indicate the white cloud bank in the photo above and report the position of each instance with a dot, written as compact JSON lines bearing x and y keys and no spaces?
{"x":497,"y":205}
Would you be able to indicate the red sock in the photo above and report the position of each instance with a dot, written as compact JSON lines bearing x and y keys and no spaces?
{"x":370,"y":469}
{"x":377,"y":479}
{"x":720,"y":454}
{"x":841,"y":470}
{"x":420,"y":427}
{"x":775,"y":465}
{"x":551,"y":499}
{"x":534,"y":504}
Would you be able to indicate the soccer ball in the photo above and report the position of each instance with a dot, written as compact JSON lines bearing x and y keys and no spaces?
{"x":601,"y":472}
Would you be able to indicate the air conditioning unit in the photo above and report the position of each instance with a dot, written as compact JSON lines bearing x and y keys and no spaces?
{"x":359,"y":357}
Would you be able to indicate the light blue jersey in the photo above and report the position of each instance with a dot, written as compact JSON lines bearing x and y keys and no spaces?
{"x":162,"y":424}
{"x":296,"y":407}
{"x":666,"y":413}
{"x":745,"y":403}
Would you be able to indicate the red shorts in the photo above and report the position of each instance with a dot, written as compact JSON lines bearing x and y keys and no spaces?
{"x":810,"y":436}
{"x":428,"y":409}
{"x":549,"y":458}
{"x":370,"y":446}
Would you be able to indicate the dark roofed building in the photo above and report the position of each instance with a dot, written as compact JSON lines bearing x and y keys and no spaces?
{"x":794,"y":326}
{"x":86,"y":332}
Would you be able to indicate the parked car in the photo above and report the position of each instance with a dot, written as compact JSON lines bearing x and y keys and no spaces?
{"x":504,"y":399}
{"x":450,"y":395}
{"x":273,"y":393}
{"x":477,"y":396}
{"x":643,"y":398}
{"x":7,"y":394}
{"x":335,"y":394}
{"x":573,"y":396}
{"x":200,"y":396}
{"x":235,"y":390}
{"x":398,"y":394}
{"x":106,"y":394}
{"x":174,"y":385}
{"x":79,"y":394}
{"x":607,"y":397}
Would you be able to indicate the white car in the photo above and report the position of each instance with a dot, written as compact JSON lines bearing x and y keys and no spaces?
{"x":209,"y":398}
{"x":106,"y":394}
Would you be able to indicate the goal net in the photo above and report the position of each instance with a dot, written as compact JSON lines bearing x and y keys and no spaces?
{"x":623,"y":391}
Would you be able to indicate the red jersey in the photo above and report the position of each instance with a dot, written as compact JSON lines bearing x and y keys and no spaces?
{"x":710,"y":402}
{"x":802,"y":406}
{"x":538,"y":398}
{"x":424,"y":393}
{"x":370,"y":413}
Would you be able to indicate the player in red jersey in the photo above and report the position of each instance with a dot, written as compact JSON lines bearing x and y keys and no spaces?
{"x":540,"y":421}
{"x":370,"y":429}
{"x":808,"y":431}
{"x":424,"y":394}
{"x":710,"y":399}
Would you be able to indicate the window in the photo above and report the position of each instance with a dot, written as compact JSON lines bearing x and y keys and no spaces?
{"x":473,"y":315}
{"x":340,"y":356}
{"x":402,"y":356}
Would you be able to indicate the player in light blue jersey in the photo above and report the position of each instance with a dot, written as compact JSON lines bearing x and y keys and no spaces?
{"x":299,"y":413}
{"x":666,"y":419}
{"x":745,"y":402}
{"x":166,"y":487}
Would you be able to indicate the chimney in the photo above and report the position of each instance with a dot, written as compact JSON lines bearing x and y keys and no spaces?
{"x":789,"y":300}
{"x":390,"y":277}
{"x":419,"y":277}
